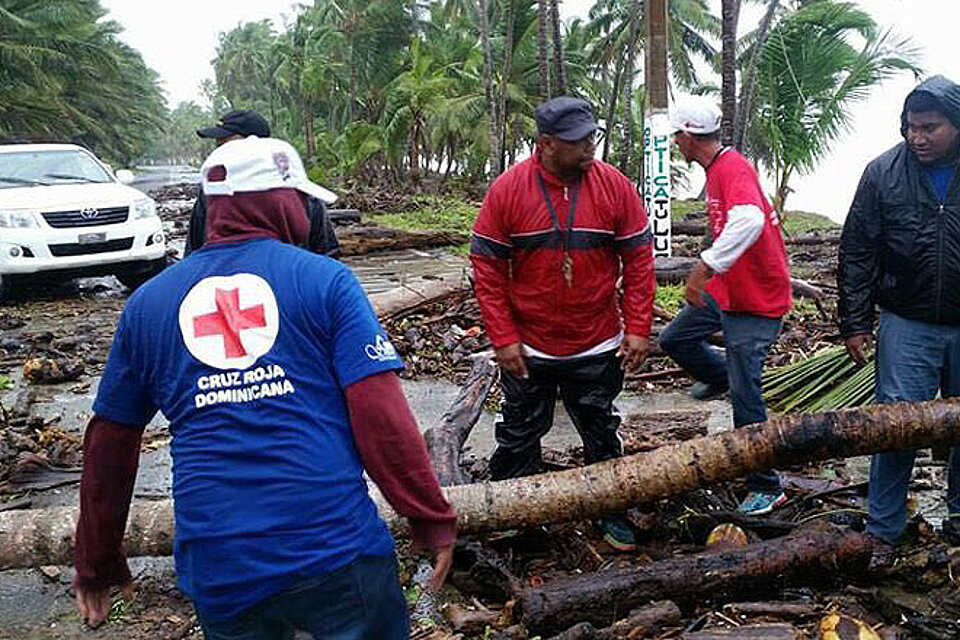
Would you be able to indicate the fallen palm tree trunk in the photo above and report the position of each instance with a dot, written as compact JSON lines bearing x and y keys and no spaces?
{"x":392,"y":302}
{"x":674,"y":270}
{"x":641,"y":623}
{"x":446,"y":439}
{"x":596,"y":598}
{"x":45,"y":537}
{"x":361,"y":240}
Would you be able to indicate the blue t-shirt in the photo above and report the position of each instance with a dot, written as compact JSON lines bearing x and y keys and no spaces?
{"x":941,"y":178}
{"x":247,"y":348}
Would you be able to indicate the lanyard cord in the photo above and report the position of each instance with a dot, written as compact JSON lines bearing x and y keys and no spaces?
{"x":553,"y":212}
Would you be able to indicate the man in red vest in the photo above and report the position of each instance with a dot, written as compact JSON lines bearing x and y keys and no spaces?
{"x":741,"y":285}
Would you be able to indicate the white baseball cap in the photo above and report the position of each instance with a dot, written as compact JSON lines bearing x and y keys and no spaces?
{"x":258,"y":164}
{"x":695,"y":114}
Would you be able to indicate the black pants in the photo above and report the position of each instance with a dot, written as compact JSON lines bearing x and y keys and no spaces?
{"x":587,"y":386}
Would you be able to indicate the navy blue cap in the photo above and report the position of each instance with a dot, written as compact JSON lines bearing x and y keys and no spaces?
{"x":567,"y":118}
{"x":242,"y":122}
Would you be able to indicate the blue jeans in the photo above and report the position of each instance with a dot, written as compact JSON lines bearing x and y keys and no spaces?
{"x":361,"y":601}
{"x":915,"y":360}
{"x":747,"y":339}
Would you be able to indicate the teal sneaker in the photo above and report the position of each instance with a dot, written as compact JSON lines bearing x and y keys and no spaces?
{"x":617,"y":533}
{"x":758,"y":503}
{"x":704,"y":391}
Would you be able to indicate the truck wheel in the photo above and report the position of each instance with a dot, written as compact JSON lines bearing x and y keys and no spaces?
{"x":134,"y":277}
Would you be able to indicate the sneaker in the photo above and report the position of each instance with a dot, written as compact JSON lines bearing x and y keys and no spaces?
{"x":883,"y":555}
{"x":704,"y":391}
{"x":950,"y":532}
{"x":758,"y":503}
{"x":617,"y":533}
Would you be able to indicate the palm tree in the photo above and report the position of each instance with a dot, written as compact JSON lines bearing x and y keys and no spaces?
{"x":809,"y":76}
{"x":410,"y":98}
{"x":65,"y":75}
{"x":730,"y":14}
{"x":492,"y":103}
{"x":543,"y":15}
{"x":558,"y":58}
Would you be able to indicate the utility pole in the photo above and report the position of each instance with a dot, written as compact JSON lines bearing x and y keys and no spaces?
{"x":656,"y":128}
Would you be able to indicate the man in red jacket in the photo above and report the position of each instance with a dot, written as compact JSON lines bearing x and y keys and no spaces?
{"x":741,"y":285}
{"x":553,"y":235}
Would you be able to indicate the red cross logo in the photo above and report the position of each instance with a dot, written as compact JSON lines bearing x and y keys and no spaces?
{"x":229,"y":320}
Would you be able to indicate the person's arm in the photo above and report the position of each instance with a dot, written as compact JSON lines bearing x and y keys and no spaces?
{"x":196,"y":227}
{"x":858,"y":268}
{"x":633,"y":242}
{"x":743,"y":228}
{"x":395,"y":456}
{"x":111,"y":454}
{"x":490,"y":252}
{"x":323,"y":238}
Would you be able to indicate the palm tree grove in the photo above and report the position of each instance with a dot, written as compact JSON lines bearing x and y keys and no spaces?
{"x":479,"y":320}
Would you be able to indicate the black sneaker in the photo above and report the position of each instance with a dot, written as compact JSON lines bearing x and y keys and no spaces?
{"x":950,"y":532}
{"x":882,"y":557}
{"x":704,"y":391}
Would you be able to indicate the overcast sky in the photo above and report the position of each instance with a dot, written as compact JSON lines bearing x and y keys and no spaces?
{"x":178,"y":39}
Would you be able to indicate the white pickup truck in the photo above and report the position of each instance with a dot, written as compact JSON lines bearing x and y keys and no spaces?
{"x":63,"y":211}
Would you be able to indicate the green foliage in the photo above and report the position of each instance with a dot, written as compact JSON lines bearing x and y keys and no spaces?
{"x":820,"y":59}
{"x":5,"y":383}
{"x":799,"y":222}
{"x":66,"y":76}
{"x":680,"y":209}
{"x":670,"y":297}
{"x":825,"y":381}
{"x":435,"y":213}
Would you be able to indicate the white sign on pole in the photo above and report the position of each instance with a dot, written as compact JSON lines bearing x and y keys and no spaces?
{"x":656,"y":181}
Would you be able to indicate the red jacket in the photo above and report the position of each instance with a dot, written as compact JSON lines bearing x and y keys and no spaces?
{"x":518,"y":255}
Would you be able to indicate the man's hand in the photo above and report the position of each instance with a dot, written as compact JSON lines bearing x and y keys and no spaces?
{"x":442,"y":561}
{"x":94,"y":604}
{"x":855,"y":345}
{"x":634,"y":350}
{"x":696,"y":282}
{"x":510,"y":359}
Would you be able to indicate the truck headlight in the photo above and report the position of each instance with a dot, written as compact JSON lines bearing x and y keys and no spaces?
{"x":18,"y":220}
{"x":146,"y":208}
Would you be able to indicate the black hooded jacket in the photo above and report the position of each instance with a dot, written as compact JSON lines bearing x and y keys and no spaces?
{"x":900,"y":247}
{"x":322,"y":240}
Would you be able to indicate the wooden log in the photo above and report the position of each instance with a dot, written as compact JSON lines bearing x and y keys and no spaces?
{"x":45,"y":537}
{"x":344,"y":216}
{"x":596,"y":597}
{"x":775,"y":631}
{"x":361,"y":240}
{"x":446,"y":439}
{"x":389,"y":303}
{"x":777,"y":609}
{"x":641,"y":623}
{"x":674,"y":270}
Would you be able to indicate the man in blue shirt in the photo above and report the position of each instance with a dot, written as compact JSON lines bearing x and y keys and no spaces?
{"x":900,"y":251}
{"x":280,"y":389}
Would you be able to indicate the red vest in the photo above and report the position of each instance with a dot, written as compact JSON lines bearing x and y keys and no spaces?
{"x":759,"y":281}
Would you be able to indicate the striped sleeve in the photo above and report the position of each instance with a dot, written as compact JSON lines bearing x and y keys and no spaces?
{"x":490,"y":253}
{"x":633,"y":242}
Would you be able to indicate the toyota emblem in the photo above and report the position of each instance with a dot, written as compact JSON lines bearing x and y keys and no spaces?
{"x":89,"y":213}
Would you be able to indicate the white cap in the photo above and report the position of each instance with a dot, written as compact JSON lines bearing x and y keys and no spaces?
{"x":695,"y":114}
{"x":258,"y":164}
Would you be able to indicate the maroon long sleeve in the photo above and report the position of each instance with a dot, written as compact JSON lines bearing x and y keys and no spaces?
{"x":395,"y":455}
{"x":111,"y":453}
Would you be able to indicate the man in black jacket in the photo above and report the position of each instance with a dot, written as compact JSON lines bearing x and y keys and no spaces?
{"x":900,"y":250}
{"x":241,"y":123}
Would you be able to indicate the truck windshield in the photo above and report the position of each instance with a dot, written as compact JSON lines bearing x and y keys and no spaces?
{"x":36,"y":168}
